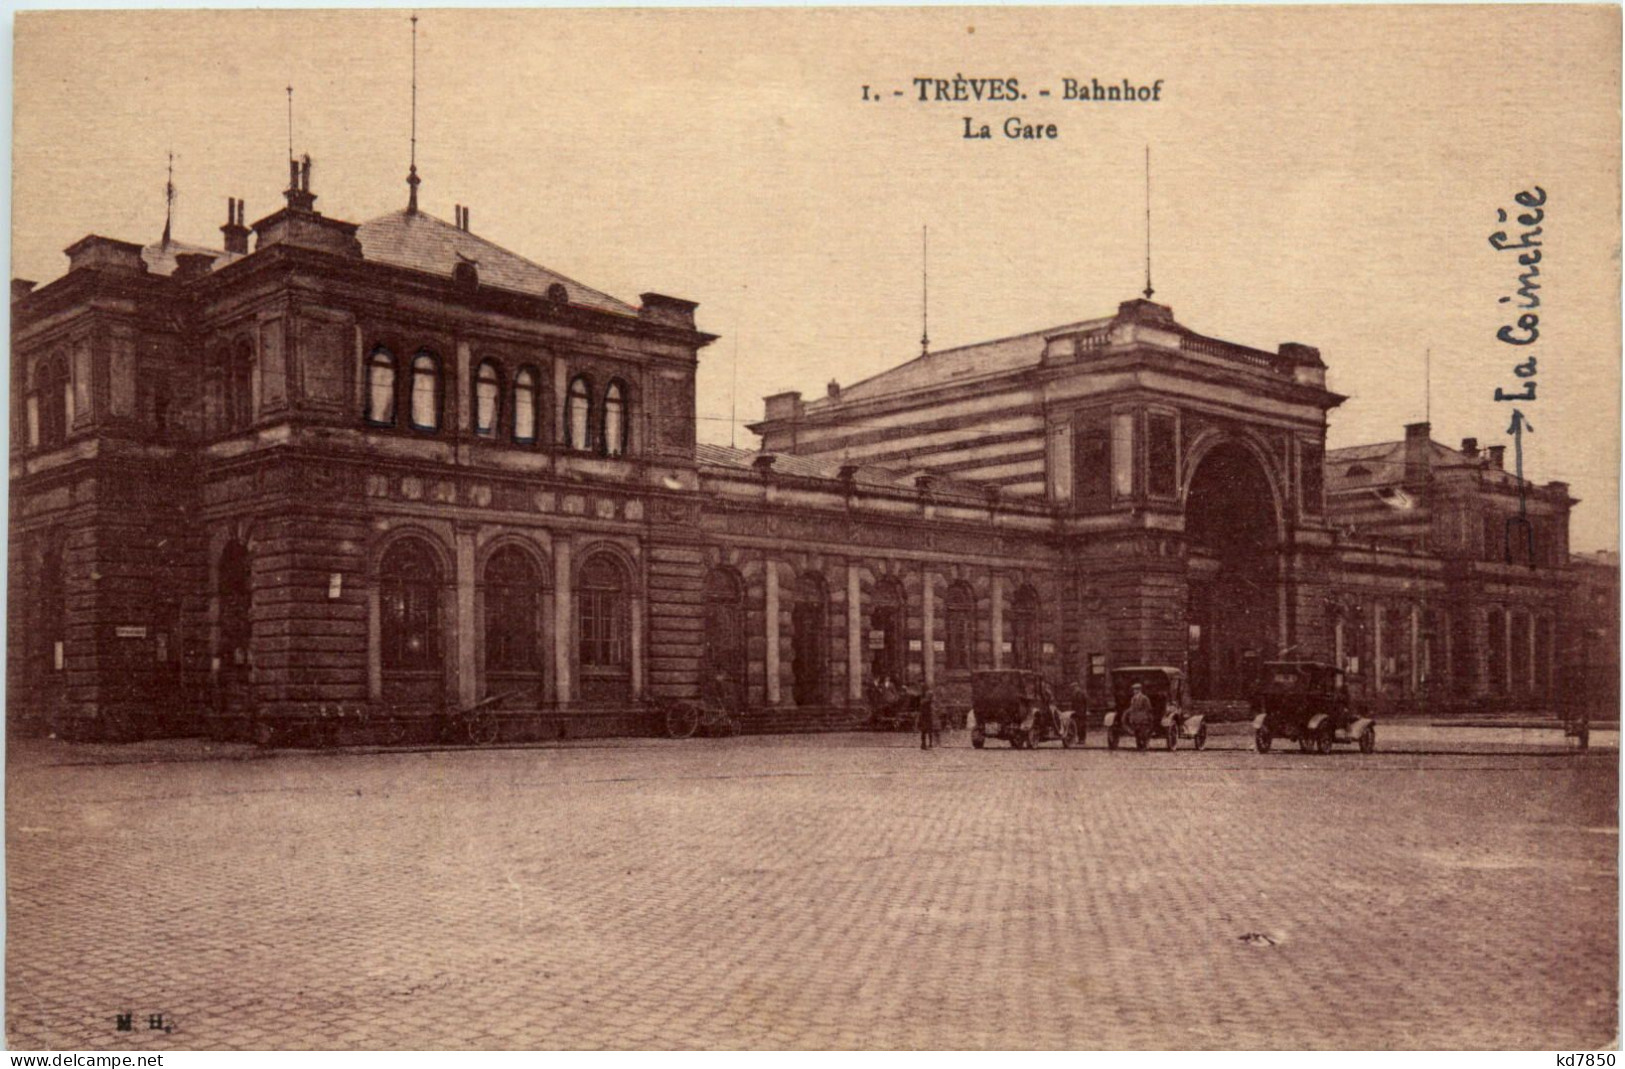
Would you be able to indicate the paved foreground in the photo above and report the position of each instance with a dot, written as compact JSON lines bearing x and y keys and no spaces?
{"x":829,"y":891}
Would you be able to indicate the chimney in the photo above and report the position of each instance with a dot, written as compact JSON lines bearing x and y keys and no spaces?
{"x":1469,"y":447}
{"x":924,"y":482}
{"x":1498,"y":456}
{"x":21,"y":287}
{"x":300,"y":198}
{"x":461,"y":217}
{"x":1418,"y":459}
{"x":834,"y":390}
{"x":764,"y":462}
{"x":235,"y":232}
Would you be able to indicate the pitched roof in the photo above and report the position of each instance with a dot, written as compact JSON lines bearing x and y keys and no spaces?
{"x":825,"y":467}
{"x":422,"y":242}
{"x":937,"y":368}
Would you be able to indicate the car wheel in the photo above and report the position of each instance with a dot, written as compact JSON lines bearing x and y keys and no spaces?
{"x":1142,"y":738}
{"x":1069,"y":735}
{"x":1173,"y":736}
{"x":1368,"y":740}
{"x":977,"y":739}
{"x":481,"y":729}
{"x":1261,"y":739}
{"x":1201,"y":737}
{"x":1306,"y":743}
{"x":1323,"y":743}
{"x":1113,"y":737}
{"x":1584,"y":737}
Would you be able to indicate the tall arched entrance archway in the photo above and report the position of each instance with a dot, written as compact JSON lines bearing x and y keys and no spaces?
{"x":1233,"y":534}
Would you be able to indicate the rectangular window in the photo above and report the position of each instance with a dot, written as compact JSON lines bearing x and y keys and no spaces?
{"x":1162,"y":454}
{"x":1091,"y":468}
{"x":1312,"y":476}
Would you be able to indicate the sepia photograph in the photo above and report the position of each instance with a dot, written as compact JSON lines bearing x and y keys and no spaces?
{"x":851,"y":528}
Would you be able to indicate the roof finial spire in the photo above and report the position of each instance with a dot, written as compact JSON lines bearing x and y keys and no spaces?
{"x":1148,"y":290}
{"x":412,"y":179}
{"x":925,"y":290}
{"x":169,"y":197}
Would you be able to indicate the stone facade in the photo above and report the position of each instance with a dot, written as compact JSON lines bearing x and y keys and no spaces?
{"x":392,"y":466}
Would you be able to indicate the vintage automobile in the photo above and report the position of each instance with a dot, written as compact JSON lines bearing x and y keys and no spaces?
{"x":1308,"y":701}
{"x":1169,"y":718}
{"x":1019,"y":706}
{"x":892,"y":708}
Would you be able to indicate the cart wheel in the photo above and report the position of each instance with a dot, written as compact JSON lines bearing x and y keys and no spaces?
{"x":1069,"y":735}
{"x":1323,"y":744}
{"x":1201,"y":737}
{"x":1173,"y":736}
{"x":1113,"y":737}
{"x":977,"y":739}
{"x":1261,"y":739}
{"x":1142,"y":738}
{"x":1368,"y":740}
{"x":1306,"y":743}
{"x":481,"y":728}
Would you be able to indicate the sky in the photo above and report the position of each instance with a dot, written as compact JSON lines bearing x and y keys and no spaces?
{"x":1320,"y":175}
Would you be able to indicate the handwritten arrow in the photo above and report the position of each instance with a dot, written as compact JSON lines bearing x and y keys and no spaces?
{"x":1520,"y":423}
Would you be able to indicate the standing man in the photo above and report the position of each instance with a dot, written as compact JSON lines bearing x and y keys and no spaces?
{"x":930,"y":735}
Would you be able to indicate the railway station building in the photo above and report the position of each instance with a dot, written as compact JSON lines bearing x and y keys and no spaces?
{"x":392,"y":465}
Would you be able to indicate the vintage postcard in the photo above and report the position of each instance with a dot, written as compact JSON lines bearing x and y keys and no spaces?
{"x":1055,"y":527}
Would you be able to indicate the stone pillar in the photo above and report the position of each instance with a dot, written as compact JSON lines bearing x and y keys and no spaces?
{"x":1376,"y":646}
{"x":635,"y":644}
{"x":1534,"y":649}
{"x":770,"y":614}
{"x":1506,"y":621}
{"x":1416,"y":650}
{"x":998,"y":620}
{"x":467,"y":684}
{"x":563,"y":602}
{"x":854,"y":633}
{"x":928,"y":610}
{"x":375,"y":638}
{"x":459,"y":419}
{"x":1337,"y":645}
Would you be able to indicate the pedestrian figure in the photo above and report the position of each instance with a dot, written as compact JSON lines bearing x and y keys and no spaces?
{"x":930,"y":735}
{"x":1139,"y":710}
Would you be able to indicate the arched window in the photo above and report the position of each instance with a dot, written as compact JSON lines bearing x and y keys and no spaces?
{"x":809,"y":640}
{"x":381,"y":388}
{"x":409,"y":593}
{"x":525,"y":405}
{"x":487,"y":399}
{"x":240,"y":386}
{"x":1024,"y":621}
{"x":513,"y":614}
{"x":614,"y":443}
{"x":51,"y":407}
{"x":425,"y":392}
{"x":604,"y":624}
{"x":722,"y":677}
{"x":234,"y":583}
{"x":886,"y":622}
{"x":960,"y":615}
{"x":578,"y":414}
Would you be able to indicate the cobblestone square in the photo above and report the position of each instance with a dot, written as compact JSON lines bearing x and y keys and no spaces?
{"x":1449,"y":891}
